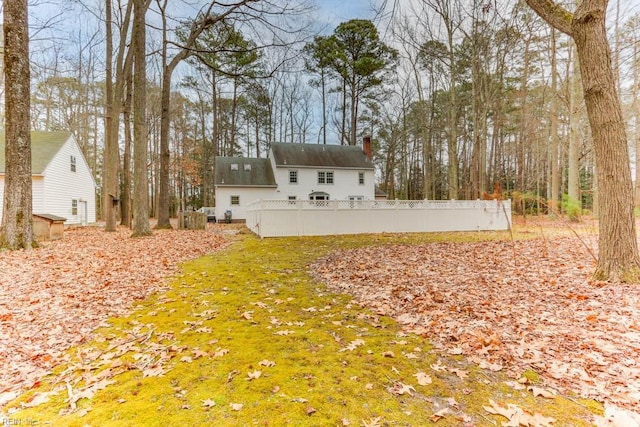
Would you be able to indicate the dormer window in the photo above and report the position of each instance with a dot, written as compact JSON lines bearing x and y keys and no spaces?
{"x":234,"y":166}
{"x":73,"y":163}
{"x":247,"y":167}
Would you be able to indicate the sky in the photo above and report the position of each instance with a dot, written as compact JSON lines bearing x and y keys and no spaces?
{"x":336,"y":11}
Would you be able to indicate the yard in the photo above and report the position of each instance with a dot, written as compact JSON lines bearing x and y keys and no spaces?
{"x":414,"y":329}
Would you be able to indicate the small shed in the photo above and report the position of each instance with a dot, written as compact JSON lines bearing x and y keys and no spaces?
{"x":48,"y":227}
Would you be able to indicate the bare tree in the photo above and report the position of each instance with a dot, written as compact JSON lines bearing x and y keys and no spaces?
{"x":618,"y":248}
{"x":17,"y":223}
{"x":140,"y":179}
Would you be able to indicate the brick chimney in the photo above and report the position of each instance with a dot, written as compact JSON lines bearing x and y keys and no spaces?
{"x":366,"y":146}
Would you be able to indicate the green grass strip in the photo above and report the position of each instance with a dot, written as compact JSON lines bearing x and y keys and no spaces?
{"x":245,"y":337}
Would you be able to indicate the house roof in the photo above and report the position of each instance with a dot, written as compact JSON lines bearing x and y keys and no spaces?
{"x":320,"y":156}
{"x":247,"y":172}
{"x":379,"y":192}
{"x":44,"y":146}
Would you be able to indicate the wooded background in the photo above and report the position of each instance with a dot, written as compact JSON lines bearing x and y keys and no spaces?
{"x":458,"y":95}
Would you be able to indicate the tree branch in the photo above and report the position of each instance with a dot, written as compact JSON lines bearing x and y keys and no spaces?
{"x":554,"y":14}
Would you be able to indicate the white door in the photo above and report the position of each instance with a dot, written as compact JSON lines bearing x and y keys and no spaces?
{"x":82,"y":212}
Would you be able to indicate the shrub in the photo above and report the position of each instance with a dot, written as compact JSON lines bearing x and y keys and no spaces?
{"x":571,"y":207}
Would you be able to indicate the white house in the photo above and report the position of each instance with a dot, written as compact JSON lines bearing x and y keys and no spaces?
{"x":294,"y":172}
{"x":62,"y":183}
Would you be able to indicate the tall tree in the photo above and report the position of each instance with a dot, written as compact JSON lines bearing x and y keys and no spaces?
{"x":449,"y":12}
{"x":140,"y":180}
{"x":207,"y":18}
{"x":554,"y":176}
{"x":360,"y":59}
{"x":114,"y":100}
{"x":17,"y":223}
{"x":110,"y":162}
{"x":618,"y":258}
{"x":318,"y":60}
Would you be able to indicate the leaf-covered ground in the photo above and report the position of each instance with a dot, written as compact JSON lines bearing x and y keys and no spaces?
{"x":54,"y":296}
{"x":513,"y":306}
{"x":246,"y":336}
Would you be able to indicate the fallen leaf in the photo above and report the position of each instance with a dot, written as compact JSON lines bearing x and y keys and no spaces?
{"x":254,"y":375}
{"x":236,"y":406}
{"x":267,"y":363}
{"x":423,"y":378}
{"x":220,"y":352}
{"x":437,"y":416}
{"x":438,"y":366}
{"x":462,"y":374}
{"x":538,"y":391}
{"x":399,"y":389}
{"x":372,"y":422}
{"x":208,"y":403}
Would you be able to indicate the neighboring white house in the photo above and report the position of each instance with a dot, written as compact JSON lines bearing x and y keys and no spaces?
{"x":62,"y":183}
{"x":294,"y":172}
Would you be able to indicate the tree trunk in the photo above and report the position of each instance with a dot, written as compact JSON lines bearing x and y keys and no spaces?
{"x":165,"y":100}
{"x":573,"y":184}
{"x":163,"y":182}
{"x":110,"y":162}
{"x":125,"y":202}
{"x":17,"y":222}
{"x":140,"y":180}
{"x":452,"y":118}
{"x":618,"y":258}
{"x":324,"y":105}
{"x":554,"y":194}
{"x":636,"y":115}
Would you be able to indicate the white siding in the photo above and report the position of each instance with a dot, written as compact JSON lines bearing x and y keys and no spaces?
{"x":61,"y":186}
{"x":37,"y":194}
{"x":247,"y":196}
{"x":345,"y":183}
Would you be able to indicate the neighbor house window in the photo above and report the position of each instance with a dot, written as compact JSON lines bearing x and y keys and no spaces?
{"x":235,"y":200}
{"x":293,"y":177}
{"x":325,"y":177}
{"x":292,"y":197}
{"x":73,"y":163}
{"x":74,"y":207}
{"x":234,"y":166}
{"x":247,"y":167}
{"x":361,"y":178}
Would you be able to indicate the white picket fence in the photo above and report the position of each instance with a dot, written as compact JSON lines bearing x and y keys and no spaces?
{"x":275,"y":218}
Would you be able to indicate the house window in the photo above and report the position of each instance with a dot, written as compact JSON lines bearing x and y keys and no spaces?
{"x":355,"y":201}
{"x":74,"y":207}
{"x":73,"y":163}
{"x":235,"y":200}
{"x":361,"y":178}
{"x":234,"y":166}
{"x":325,"y":177}
{"x":293,"y":177}
{"x":247,"y":167}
